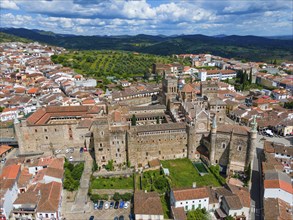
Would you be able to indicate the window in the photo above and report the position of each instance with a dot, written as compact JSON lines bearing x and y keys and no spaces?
{"x":101,"y":145}
{"x":118,"y":150}
{"x":45,"y":130}
{"x":186,"y":202}
{"x":193,"y":207}
{"x":223,"y":145}
{"x":199,"y":206}
{"x":55,"y":129}
{"x":239,"y":148}
{"x":70,"y":136}
{"x":36,"y":130}
{"x":46,"y":137}
{"x":147,"y":153}
{"x":159,"y":152}
{"x":69,"y":129}
{"x":186,"y":207}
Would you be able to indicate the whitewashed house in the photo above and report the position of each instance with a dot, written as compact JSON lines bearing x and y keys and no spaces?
{"x":190,"y":199}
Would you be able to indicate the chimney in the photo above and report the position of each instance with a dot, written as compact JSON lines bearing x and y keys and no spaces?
{"x":194,"y":185}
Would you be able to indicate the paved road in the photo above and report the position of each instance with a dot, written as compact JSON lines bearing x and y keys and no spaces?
{"x":256,"y":192}
{"x":81,"y":200}
{"x":256,"y":187}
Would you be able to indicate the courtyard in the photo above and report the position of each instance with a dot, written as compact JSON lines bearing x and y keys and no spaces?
{"x":184,"y":174}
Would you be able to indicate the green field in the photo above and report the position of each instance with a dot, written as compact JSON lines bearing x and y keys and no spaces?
{"x":113,"y":183}
{"x":183,"y":174}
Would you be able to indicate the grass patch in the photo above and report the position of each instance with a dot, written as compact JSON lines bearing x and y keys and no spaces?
{"x":166,"y":206}
{"x":183,"y":174}
{"x":113,"y":183}
{"x":154,"y":180}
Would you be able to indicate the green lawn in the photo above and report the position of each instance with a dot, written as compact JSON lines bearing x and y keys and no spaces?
{"x":183,"y":174}
{"x":113,"y":183}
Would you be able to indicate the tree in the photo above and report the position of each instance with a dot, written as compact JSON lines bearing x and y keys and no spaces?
{"x":133,"y":120}
{"x":198,"y":214}
{"x":109,"y":166}
{"x":116,"y":196}
{"x":77,"y":171}
{"x":250,"y":76}
{"x":161,"y":183}
{"x":229,"y":217}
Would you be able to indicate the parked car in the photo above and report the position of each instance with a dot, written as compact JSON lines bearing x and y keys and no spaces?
{"x":126,"y":205}
{"x":3,"y":160}
{"x":116,"y":218}
{"x":121,"y":217}
{"x":57,"y":151}
{"x":107,"y":205}
{"x":70,"y":158}
{"x":101,"y":205}
{"x":116,"y":206}
{"x":92,"y":217}
{"x":121,"y":206}
{"x":96,"y":206}
{"x":111,"y":205}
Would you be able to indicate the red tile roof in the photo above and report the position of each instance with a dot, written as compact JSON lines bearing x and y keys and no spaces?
{"x":189,"y":194}
{"x":10,"y":172}
{"x":278,"y":184}
{"x":4,"y":148}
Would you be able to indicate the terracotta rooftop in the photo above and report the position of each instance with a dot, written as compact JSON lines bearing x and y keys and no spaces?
{"x":237,"y":129}
{"x":43,"y":115}
{"x":10,"y":172}
{"x":147,"y":203}
{"x":179,"y":213}
{"x":277,"y":209}
{"x":233,"y":202}
{"x":50,"y":197}
{"x":24,"y":178}
{"x":278,"y":184}
{"x":189,"y":194}
{"x":4,"y":148}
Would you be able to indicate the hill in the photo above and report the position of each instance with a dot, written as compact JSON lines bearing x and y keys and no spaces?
{"x":249,"y":48}
{"x":12,"y":38}
{"x":121,"y":65}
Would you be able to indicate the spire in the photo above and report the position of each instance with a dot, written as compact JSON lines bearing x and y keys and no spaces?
{"x":214,"y":124}
{"x":254,"y":124}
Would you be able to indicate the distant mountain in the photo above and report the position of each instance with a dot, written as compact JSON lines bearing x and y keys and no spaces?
{"x":12,"y":38}
{"x":220,"y":35}
{"x":284,"y":37}
{"x":241,"y":47}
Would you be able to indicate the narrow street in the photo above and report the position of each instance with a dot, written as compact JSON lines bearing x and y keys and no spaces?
{"x":256,"y":187}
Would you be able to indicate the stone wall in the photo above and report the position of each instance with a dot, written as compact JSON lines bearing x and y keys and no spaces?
{"x":49,"y":137}
{"x":7,"y":133}
{"x":164,"y":146}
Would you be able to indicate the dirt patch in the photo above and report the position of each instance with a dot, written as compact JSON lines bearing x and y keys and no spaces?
{"x":70,"y":196}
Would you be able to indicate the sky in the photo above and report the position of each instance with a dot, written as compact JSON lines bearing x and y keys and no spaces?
{"x":155,"y":17}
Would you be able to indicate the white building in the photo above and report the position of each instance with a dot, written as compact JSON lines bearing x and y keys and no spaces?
{"x":190,"y":199}
{"x":278,"y":185}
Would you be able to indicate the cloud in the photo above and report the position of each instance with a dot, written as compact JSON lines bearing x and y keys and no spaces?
{"x":116,"y":17}
{"x":8,"y":4}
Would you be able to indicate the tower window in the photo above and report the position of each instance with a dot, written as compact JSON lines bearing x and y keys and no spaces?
{"x":223,"y":145}
{"x":239,"y":148}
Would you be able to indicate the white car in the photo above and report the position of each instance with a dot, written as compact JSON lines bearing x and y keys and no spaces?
{"x":68,"y":150}
{"x":107,"y":205}
{"x":57,"y":151}
{"x":126,"y":205}
{"x":70,"y":158}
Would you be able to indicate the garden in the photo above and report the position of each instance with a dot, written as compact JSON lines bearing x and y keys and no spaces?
{"x":184,"y":174}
